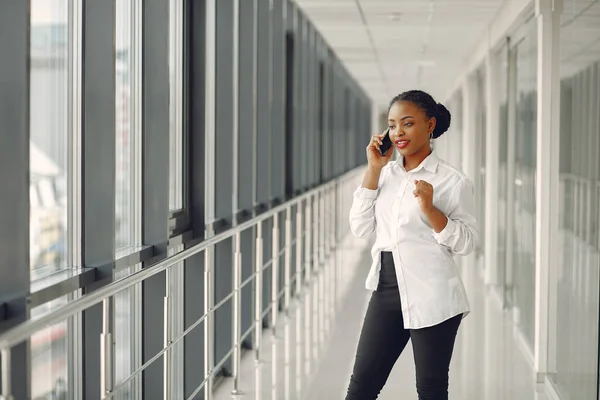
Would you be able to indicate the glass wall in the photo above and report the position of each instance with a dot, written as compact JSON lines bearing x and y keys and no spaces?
{"x":501,"y":60}
{"x":100,"y":210}
{"x":50,"y":137}
{"x":49,"y":50}
{"x":479,"y":124}
{"x":128,"y":167}
{"x":449,"y":145}
{"x":576,"y":323}
{"x":523,"y":258}
{"x":176,"y":136}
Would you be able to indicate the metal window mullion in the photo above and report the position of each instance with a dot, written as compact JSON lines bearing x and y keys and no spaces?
{"x":236,"y":107}
{"x":268,"y":116}
{"x":254,"y":105}
{"x":74,"y":188}
{"x":136,"y":171}
{"x":15,"y":103}
{"x":97,"y":193}
{"x":155,"y":82}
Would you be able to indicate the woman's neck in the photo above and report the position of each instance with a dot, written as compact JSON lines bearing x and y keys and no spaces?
{"x":413,"y":161}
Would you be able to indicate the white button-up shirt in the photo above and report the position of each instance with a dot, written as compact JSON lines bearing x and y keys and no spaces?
{"x":431,"y":290}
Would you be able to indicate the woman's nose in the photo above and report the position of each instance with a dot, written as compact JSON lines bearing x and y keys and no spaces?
{"x":397,"y":132}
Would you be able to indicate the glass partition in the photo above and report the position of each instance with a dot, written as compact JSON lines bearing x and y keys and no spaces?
{"x":524,"y":213}
{"x":479,"y":124}
{"x":48,"y":185}
{"x":575,"y":328}
{"x":128,"y":171}
{"x":501,"y":60}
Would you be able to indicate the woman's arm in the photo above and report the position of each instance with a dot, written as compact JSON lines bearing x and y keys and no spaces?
{"x":362,"y":212}
{"x":460,"y":233}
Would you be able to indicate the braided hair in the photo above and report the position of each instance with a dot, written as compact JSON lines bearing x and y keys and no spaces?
{"x":430,"y":107}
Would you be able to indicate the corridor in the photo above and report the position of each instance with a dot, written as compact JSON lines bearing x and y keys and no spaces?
{"x":177,"y":179}
{"x":301,"y":363}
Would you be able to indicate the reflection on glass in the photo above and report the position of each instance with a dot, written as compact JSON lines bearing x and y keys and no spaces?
{"x":125,"y":147}
{"x":49,"y":85}
{"x":127,"y":210}
{"x":127,"y":337}
{"x":50,"y":356}
{"x":176,"y":104}
{"x":480,"y":126}
{"x":449,"y":145}
{"x":501,"y":79}
{"x":525,"y":185}
{"x":49,"y":53}
{"x":576,"y":324}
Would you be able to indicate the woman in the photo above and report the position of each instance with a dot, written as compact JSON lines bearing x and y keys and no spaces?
{"x":421,"y":211}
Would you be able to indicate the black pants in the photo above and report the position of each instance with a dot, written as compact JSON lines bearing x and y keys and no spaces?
{"x":383,"y":339}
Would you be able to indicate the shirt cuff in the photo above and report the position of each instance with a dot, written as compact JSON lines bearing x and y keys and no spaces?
{"x":364,"y":193}
{"x":445,"y":234}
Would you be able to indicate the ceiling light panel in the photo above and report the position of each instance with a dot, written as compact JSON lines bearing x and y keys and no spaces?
{"x":418,"y":42}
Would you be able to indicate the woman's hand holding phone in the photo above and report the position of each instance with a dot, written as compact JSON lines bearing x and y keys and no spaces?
{"x":374,"y":157}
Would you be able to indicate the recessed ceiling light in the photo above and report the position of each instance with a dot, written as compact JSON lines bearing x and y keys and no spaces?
{"x":395,"y":16}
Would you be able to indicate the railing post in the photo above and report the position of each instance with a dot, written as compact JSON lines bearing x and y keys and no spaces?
{"x":275,"y":272}
{"x":299,"y":241}
{"x":323,"y":284}
{"x":315,"y":229}
{"x":168,"y":332}
{"x":330,"y":254}
{"x":258,"y":294}
{"x":318,"y":320}
{"x":288,"y":257}
{"x":6,"y":378}
{"x":322,"y":224}
{"x":307,"y":261}
{"x":332,"y":219}
{"x":106,"y":350}
{"x":208,"y":322}
{"x":337,"y":255}
{"x":237,"y":305}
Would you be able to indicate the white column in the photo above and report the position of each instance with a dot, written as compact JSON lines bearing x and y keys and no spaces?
{"x":548,"y":21}
{"x":491,"y":170}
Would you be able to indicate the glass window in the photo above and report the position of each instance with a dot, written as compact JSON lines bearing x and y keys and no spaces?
{"x":479,"y":179}
{"x":524,"y":213}
{"x":127,"y":304}
{"x":501,"y":81}
{"x":49,"y":174}
{"x":48,"y":164}
{"x":176,"y":158}
{"x":50,"y":356}
{"x":576,"y":324}
{"x":127,"y":137}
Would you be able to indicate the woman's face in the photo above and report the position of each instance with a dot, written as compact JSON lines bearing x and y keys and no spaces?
{"x":410,"y":128}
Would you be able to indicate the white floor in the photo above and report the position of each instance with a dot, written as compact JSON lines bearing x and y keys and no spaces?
{"x":314,"y":360}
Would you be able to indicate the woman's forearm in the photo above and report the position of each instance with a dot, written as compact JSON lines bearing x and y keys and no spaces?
{"x":437,"y":219}
{"x":371,"y":178}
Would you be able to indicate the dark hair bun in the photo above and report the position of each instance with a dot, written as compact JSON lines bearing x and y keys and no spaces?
{"x":442,"y":117}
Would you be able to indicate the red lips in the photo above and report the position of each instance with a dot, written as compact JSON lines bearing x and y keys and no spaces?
{"x":401,"y":144}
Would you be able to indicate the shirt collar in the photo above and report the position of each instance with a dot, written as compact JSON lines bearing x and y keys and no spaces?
{"x":430,"y":163}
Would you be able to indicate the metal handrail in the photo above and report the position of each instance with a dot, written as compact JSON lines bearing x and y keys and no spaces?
{"x":26,"y":329}
{"x":316,"y":246}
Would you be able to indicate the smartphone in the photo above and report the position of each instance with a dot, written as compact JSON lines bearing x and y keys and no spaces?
{"x":387,"y":143}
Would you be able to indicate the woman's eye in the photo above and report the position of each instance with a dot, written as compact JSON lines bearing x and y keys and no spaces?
{"x":391,"y":128}
{"x":408,"y":124}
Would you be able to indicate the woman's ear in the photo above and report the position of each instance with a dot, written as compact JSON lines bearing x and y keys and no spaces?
{"x":431,"y":125}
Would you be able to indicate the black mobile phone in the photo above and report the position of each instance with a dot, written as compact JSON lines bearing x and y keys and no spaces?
{"x":387,"y":143}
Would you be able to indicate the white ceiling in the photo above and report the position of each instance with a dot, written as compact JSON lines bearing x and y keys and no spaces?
{"x":394,"y":45}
